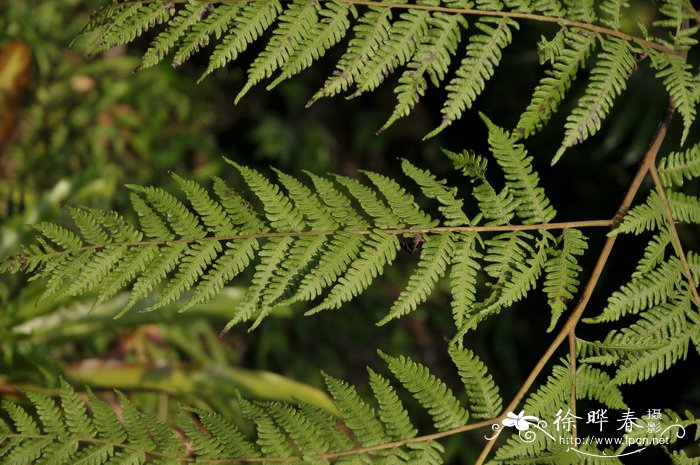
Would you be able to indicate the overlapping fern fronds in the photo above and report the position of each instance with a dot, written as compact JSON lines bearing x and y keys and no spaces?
{"x":322,"y":240}
{"x":659,"y":293}
{"x":455,"y":45}
{"x":78,"y":430}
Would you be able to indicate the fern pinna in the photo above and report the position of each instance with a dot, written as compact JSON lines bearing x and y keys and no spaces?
{"x":429,"y":41}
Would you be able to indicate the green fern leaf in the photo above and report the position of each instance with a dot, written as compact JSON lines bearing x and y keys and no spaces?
{"x":357,"y":414}
{"x":613,"y":12}
{"x":482,"y":57}
{"x":463,"y":275}
{"x":429,"y":391}
{"x":677,"y":76}
{"x":594,"y":384}
{"x":225,"y":436}
{"x":523,"y":183}
{"x":403,"y":38}
{"x":250,"y":20}
{"x":391,"y":410}
{"x":271,"y":440}
{"x":379,"y":251}
{"x":651,"y":216}
{"x":434,"y":261}
{"x":484,"y":399}
{"x":330,"y":29}
{"x":577,"y":45}
{"x":608,"y":79}
{"x":402,"y":204}
{"x":562,"y":270}
{"x":450,"y":205}
{"x":177,"y":27}
{"x":677,"y":167}
{"x":654,"y":253}
{"x":641,"y":292}
{"x":368,"y":36}
{"x":294,"y":23}
{"x":433,"y":56}
{"x":130,"y":23}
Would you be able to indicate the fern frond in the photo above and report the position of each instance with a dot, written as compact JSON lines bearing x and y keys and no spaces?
{"x":131,"y":22}
{"x":432,"y":57}
{"x":484,"y":398}
{"x":250,"y":20}
{"x":608,"y":79}
{"x":429,"y":391}
{"x":575,"y":48}
{"x":368,"y":36}
{"x":187,"y":17}
{"x":654,"y":253}
{"x":677,"y":76}
{"x":594,"y":384}
{"x":652,"y":288}
{"x":434,"y":261}
{"x":403,"y":39}
{"x":328,"y":31}
{"x":391,"y":410}
{"x":476,"y":69}
{"x":463,"y":276}
{"x":450,"y":206}
{"x":294,"y":22}
{"x":357,"y":414}
{"x":523,"y":183}
{"x":678,"y":167}
{"x":561,"y":273}
{"x":651,"y":216}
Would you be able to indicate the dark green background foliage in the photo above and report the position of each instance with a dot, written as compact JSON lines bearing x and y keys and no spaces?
{"x":86,"y":127}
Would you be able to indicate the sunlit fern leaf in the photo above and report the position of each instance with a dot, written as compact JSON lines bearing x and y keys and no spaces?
{"x":650,"y":215}
{"x":330,"y":29}
{"x":403,"y":38}
{"x":613,"y":10}
{"x":522,"y":181}
{"x":432,"y":57}
{"x":463,"y":275}
{"x":402,"y":203}
{"x":429,"y":391}
{"x":482,"y":57}
{"x":577,"y":45}
{"x":514,"y":282}
{"x":562,"y":271}
{"x":368,"y":35}
{"x":450,"y":206}
{"x":435,"y":258}
{"x":131,"y":22}
{"x":249,"y":21}
{"x":294,"y":23}
{"x":678,"y":167}
{"x":614,"y":65}
{"x":677,"y":76}
{"x":163,"y":44}
{"x":391,"y":410}
{"x":484,"y":399}
{"x":378,"y":252}
{"x":359,"y":416}
{"x":595,"y":384}
{"x":642,"y":292}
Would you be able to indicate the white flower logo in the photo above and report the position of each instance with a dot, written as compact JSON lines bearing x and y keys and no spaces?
{"x":520,"y":421}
